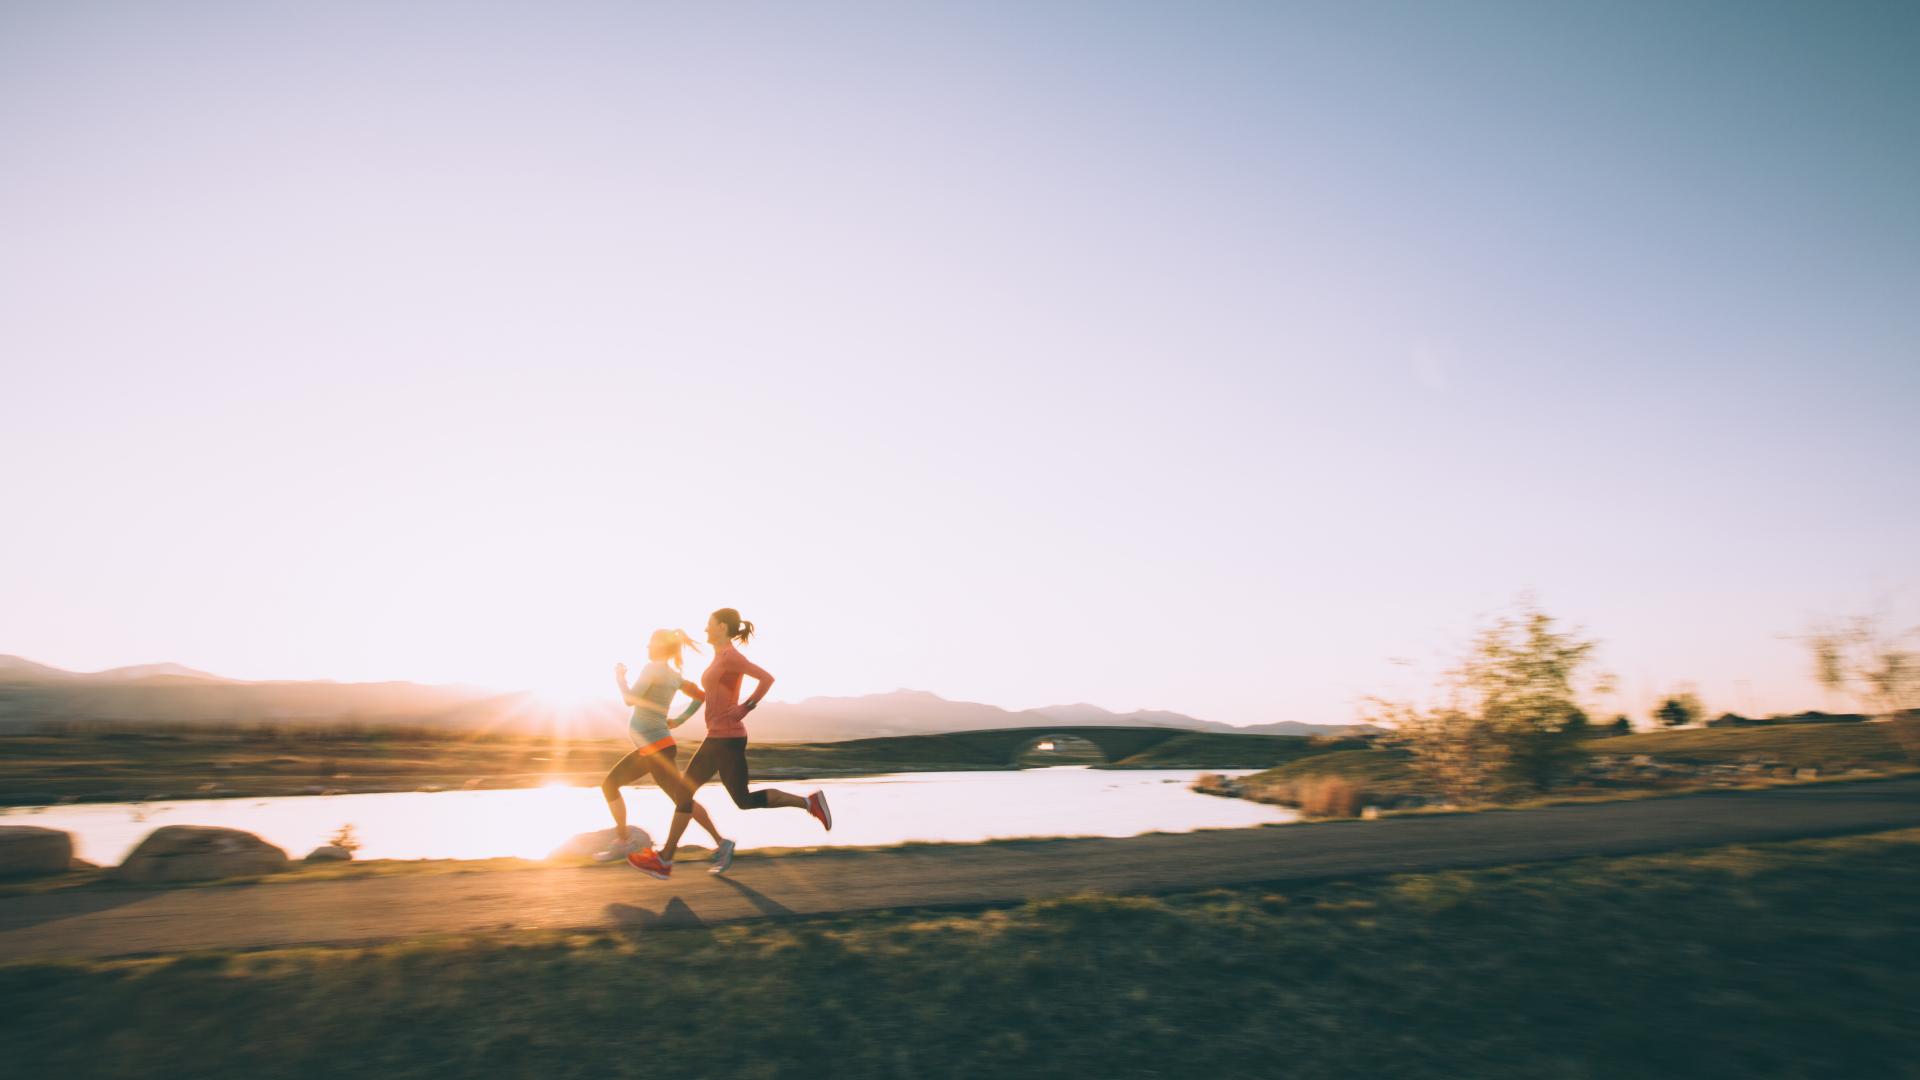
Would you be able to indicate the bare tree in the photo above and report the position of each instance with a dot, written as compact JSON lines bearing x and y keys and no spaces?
{"x":1878,"y":668}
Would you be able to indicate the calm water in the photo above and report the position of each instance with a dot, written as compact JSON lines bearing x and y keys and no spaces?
{"x":531,"y":822}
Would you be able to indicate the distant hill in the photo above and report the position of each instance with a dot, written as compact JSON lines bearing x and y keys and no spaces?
{"x":917,"y":712}
{"x":1294,"y":727}
{"x":20,"y":668}
{"x":901,"y":712}
{"x":154,"y":671}
{"x":172,"y":694}
{"x":169,"y":693}
{"x":1084,"y":715}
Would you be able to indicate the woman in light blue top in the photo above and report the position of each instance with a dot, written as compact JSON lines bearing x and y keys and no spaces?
{"x":654,"y":751}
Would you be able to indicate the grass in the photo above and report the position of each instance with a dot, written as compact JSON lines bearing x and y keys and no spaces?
{"x":1219,"y":750}
{"x":1784,"y":960}
{"x":122,"y":765}
{"x":1387,"y":776}
{"x":1378,"y":776}
{"x":296,"y":872}
{"x":1827,"y":747}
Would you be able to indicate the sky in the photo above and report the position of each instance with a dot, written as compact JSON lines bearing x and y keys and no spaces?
{"x":1227,"y":358}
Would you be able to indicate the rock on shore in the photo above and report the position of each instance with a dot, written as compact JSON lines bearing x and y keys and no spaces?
{"x":200,"y":853}
{"x":588,"y":843}
{"x":30,"y":851}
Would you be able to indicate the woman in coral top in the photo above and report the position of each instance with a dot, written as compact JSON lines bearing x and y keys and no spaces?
{"x":725,"y":750}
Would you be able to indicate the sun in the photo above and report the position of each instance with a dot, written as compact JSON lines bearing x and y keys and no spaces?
{"x":569,"y":688}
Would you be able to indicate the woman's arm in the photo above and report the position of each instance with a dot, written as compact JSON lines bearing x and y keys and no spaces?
{"x":695,"y":696}
{"x":760,"y":676}
{"x":620,"y":678}
{"x":686,"y":714}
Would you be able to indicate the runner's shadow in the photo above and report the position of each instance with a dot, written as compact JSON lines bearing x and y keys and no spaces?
{"x":761,"y":902}
{"x":675,"y":916}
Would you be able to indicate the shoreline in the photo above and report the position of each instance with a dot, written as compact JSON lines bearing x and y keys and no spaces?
{"x":56,"y":769}
{"x":431,"y":784}
{"x":100,"y":878}
{"x":363,"y":902}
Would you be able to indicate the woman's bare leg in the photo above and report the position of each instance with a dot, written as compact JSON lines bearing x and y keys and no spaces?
{"x":675,"y":787}
{"x":624,"y":772}
{"x":673,"y":834}
{"x":699,"y":771}
{"x":706,"y":822}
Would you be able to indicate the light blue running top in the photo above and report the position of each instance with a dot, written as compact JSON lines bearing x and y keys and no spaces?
{"x":655,"y":687}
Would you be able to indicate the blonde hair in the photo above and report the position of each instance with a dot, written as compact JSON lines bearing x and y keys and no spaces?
{"x":666,"y":645}
{"x":738,"y":628}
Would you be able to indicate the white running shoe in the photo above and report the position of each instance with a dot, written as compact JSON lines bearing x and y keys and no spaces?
{"x":722,"y":858}
{"x":617,"y":850}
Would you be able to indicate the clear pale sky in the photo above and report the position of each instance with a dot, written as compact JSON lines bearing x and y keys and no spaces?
{"x":1191,"y":356}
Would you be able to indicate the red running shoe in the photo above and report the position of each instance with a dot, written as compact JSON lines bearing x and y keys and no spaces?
{"x":817,"y":806}
{"x":648,"y":863}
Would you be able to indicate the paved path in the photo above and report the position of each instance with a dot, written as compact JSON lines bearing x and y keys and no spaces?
{"x":115,"y":922}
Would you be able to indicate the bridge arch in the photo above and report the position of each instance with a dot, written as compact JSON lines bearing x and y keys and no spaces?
{"x":1062,"y":748}
{"x":1115,"y":744}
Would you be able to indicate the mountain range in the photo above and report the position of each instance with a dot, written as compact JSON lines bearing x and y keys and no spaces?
{"x":16,"y":667}
{"x":171,"y":693}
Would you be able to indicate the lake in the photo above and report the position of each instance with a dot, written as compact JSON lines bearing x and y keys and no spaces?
{"x":531,"y":822}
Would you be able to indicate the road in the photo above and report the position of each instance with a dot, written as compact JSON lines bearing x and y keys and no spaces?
{"x":112,"y":922}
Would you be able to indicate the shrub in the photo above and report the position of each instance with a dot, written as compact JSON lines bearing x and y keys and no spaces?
{"x":1328,"y":796}
{"x":1679,"y":710}
{"x":1508,"y":711}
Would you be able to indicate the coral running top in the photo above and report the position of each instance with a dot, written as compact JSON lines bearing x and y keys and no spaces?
{"x":721,"y":681}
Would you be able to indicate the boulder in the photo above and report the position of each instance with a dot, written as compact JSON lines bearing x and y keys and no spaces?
{"x":200,"y":853}
{"x":589,"y":843}
{"x":30,"y":851}
{"x":329,"y":853}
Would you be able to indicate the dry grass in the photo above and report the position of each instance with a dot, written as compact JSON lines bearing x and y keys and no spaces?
{"x":1332,"y":796}
{"x":1782,"y":960}
{"x":1386,"y":778}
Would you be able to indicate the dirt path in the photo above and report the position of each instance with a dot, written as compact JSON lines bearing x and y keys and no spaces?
{"x":113,"y":922}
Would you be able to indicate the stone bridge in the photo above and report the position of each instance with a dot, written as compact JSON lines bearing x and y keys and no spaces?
{"x":1006,"y":745}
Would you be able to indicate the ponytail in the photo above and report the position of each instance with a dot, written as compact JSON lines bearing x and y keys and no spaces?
{"x":738,"y":629}
{"x":666,"y":645}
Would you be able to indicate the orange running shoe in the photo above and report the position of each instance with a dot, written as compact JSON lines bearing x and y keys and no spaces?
{"x":649,"y":863}
{"x":817,"y":806}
